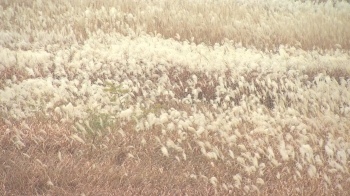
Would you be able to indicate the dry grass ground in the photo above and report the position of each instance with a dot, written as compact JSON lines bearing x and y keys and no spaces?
{"x":51,"y":164}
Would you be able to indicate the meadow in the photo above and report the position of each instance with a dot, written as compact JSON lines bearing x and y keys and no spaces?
{"x":184,"y":97}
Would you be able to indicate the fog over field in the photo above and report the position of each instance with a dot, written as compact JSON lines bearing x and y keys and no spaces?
{"x":183,"y":97}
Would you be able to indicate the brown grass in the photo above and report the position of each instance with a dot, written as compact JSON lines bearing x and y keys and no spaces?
{"x":102,"y":166}
{"x":107,"y":170}
{"x":41,"y":155}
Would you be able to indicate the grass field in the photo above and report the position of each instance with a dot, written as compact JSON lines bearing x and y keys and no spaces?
{"x":184,"y":97}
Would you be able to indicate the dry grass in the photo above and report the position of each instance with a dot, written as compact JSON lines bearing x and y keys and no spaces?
{"x":52,"y":164}
{"x":95,"y":101}
{"x":264,"y":25}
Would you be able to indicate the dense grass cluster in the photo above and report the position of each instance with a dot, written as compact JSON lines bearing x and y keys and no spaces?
{"x":255,"y":23}
{"x":174,"y":97}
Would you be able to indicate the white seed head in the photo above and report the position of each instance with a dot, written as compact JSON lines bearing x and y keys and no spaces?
{"x":260,"y":181}
{"x":312,"y":171}
{"x":213,"y":181}
{"x":165,"y":151}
